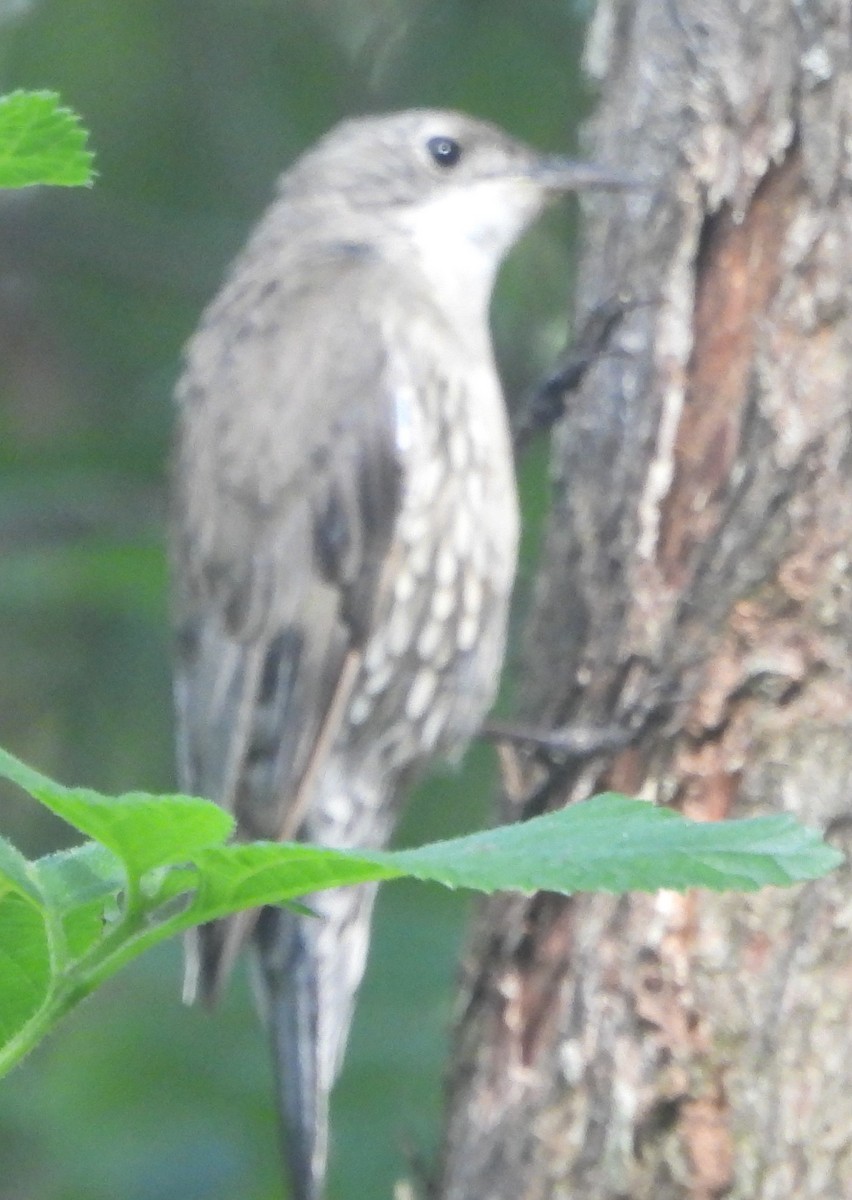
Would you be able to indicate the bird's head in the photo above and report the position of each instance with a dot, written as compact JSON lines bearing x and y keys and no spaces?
{"x":445,"y":178}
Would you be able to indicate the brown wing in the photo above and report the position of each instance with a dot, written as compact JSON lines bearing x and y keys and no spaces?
{"x":286,"y":492}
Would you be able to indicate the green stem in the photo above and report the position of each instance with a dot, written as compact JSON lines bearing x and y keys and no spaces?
{"x":75,"y":981}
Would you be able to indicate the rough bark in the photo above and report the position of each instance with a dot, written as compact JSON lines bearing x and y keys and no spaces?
{"x":695,"y":586}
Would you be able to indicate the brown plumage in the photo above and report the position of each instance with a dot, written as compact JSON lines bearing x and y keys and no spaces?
{"x":345,"y":533}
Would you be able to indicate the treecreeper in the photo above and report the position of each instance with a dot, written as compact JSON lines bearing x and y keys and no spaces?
{"x":345,"y":529}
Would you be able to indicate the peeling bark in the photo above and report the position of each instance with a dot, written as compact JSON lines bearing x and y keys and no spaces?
{"x":695,"y":585}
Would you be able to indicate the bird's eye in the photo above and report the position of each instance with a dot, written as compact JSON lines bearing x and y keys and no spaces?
{"x":446,"y":151}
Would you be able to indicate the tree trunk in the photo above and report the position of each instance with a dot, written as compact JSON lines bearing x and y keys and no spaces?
{"x":695,"y":587}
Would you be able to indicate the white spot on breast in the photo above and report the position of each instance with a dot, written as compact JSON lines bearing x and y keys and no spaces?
{"x":398,"y":633}
{"x":428,"y":478}
{"x":415,"y":528}
{"x":434,"y":724}
{"x":420,"y":557}
{"x":405,"y":411}
{"x":422,"y":691}
{"x":375,"y":655}
{"x":458,"y":446}
{"x":429,"y":639}
{"x":446,"y":563}
{"x":359,"y":709}
{"x":443,"y":604}
{"x":468,"y":631}
{"x":472,"y":593}
{"x":403,"y":586}
{"x":475,"y":490}
{"x":462,"y":532}
{"x":376,"y":681}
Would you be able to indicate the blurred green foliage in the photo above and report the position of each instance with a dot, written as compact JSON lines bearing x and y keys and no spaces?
{"x":194,"y":106}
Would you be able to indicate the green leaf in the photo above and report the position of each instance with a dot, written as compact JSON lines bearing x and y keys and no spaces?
{"x":145,"y":831}
{"x":41,"y":142}
{"x":614,"y":844}
{"x":24,"y":776}
{"x":83,"y":928}
{"x":247,"y":876}
{"x":80,"y":886}
{"x":79,"y":875}
{"x":16,"y":873}
{"x":608,"y":843}
{"x":24,"y":964}
{"x":159,"y":865}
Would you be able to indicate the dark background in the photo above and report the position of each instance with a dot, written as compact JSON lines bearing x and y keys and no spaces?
{"x":194,"y":107}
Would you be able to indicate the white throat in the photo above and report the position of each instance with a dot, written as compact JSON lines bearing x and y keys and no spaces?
{"x":460,"y":237}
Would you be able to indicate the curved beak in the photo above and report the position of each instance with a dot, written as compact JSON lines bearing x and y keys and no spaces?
{"x":567,"y":175}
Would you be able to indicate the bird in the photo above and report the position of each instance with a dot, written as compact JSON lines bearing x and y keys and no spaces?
{"x":344,"y":537}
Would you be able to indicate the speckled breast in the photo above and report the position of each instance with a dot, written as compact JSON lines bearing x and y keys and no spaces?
{"x":431,"y":668}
